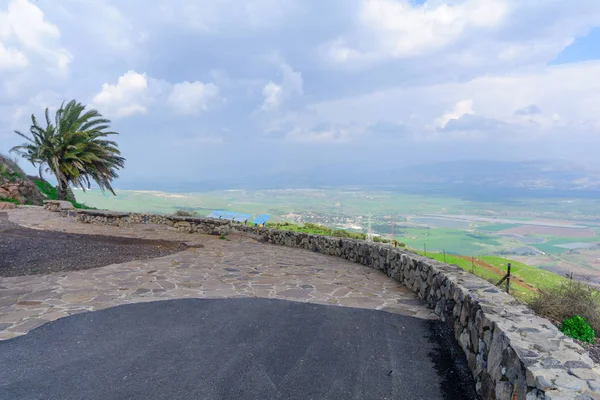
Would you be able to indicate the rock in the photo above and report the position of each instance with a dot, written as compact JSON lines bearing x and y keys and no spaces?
{"x":7,"y":206}
{"x":568,"y":382}
{"x":560,"y":395}
{"x":583,"y":373}
{"x":594,"y":385}
{"x":13,"y":190}
{"x":58,"y":205}
{"x":577,"y":364}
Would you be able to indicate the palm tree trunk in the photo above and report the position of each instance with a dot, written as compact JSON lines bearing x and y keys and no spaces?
{"x":61,"y":190}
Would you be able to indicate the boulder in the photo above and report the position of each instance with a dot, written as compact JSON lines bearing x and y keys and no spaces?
{"x":58,"y":205}
{"x":7,"y":206}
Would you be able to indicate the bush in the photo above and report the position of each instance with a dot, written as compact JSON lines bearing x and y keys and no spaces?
{"x":350,"y":235}
{"x":578,"y":328}
{"x":379,"y":239}
{"x":185,"y":213}
{"x":570,"y":298}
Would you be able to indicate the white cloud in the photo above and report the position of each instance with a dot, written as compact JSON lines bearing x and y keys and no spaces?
{"x":105,"y":27}
{"x":399,"y":29}
{"x":291,"y":85}
{"x":566,"y":100}
{"x":134,"y":92}
{"x":273,"y":94}
{"x":462,"y":34}
{"x":461,"y":108}
{"x":24,"y":25}
{"x":12,"y":58}
{"x":128,"y":97}
{"x":192,"y":97}
{"x":407,"y":72}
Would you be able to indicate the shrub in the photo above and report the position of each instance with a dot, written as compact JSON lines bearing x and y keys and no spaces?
{"x":578,"y":328}
{"x":186,"y":213}
{"x":570,"y":298}
{"x":379,"y":239}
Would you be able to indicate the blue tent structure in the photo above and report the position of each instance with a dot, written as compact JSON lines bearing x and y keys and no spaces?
{"x":261,"y":219}
{"x":242,"y":218}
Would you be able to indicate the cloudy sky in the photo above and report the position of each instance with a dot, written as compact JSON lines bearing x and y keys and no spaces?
{"x":226,"y":88}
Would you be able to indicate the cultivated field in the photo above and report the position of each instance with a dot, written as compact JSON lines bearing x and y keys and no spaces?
{"x":559,"y":235}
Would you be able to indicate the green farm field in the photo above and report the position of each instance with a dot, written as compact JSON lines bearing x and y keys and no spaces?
{"x":433,"y":223}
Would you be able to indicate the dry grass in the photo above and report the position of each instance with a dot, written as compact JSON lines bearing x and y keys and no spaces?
{"x":569,"y":299}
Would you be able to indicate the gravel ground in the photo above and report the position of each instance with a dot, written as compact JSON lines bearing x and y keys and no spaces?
{"x":26,"y":251}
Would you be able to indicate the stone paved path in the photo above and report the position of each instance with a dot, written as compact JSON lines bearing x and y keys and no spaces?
{"x":237,"y":267}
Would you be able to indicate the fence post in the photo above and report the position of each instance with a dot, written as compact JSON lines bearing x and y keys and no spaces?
{"x":508,"y":278}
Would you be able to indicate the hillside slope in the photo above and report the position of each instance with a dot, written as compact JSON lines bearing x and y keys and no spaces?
{"x":15,"y":186}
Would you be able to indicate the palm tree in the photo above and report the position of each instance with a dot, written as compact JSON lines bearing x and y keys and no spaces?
{"x":74,"y":147}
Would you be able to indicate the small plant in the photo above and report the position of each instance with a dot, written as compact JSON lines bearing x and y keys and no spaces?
{"x":578,"y":328}
{"x":186,"y":213}
{"x":379,"y":239}
{"x":222,"y":237}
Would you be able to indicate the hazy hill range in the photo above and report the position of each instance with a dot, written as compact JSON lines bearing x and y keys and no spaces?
{"x":479,"y":180}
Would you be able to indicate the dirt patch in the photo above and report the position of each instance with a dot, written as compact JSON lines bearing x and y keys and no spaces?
{"x":26,"y":251}
{"x":550,"y":230}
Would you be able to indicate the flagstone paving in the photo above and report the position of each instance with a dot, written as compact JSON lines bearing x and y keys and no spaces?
{"x":236,"y":267}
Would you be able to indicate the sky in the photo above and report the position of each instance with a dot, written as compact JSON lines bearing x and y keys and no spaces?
{"x":227,"y":89}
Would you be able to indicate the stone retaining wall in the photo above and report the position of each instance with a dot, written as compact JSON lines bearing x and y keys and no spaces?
{"x":512,"y":353}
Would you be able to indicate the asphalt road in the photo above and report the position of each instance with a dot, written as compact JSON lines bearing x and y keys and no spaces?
{"x":235,"y":349}
{"x":26,"y":251}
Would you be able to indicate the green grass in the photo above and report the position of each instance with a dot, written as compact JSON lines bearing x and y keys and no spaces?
{"x":51,"y":193}
{"x":4,"y":200}
{"x":535,"y":277}
{"x":315,"y":229}
{"x":550,"y":245}
{"x":451,"y":240}
{"x":46,"y":188}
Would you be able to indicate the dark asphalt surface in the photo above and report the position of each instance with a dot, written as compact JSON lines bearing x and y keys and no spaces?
{"x":26,"y":251}
{"x":235,"y":349}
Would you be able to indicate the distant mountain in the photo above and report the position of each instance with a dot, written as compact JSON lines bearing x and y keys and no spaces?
{"x":522,"y":175}
{"x":480,"y":180}
{"x":489,"y":180}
